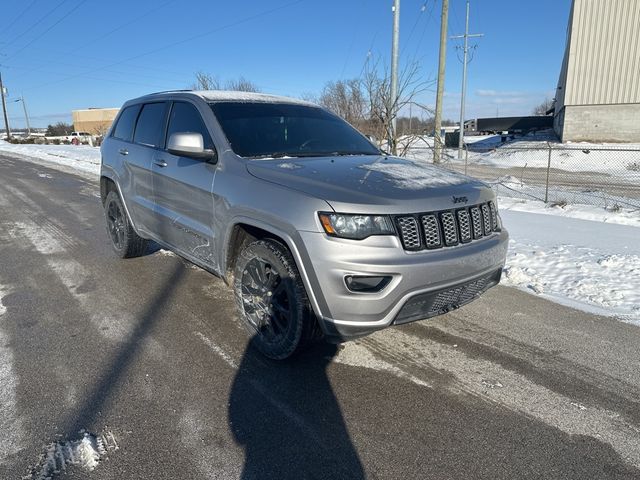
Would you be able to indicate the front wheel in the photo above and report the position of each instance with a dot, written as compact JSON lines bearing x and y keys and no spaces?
{"x":272,"y":300}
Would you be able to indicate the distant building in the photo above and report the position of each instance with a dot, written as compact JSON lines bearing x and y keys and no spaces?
{"x":94,"y":120}
{"x":598,"y":94}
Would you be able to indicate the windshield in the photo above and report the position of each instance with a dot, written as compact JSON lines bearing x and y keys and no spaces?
{"x":271,"y":130}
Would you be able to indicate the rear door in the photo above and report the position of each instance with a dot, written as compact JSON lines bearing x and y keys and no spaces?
{"x":182,"y":189}
{"x":133,"y":164}
{"x":147,"y":138}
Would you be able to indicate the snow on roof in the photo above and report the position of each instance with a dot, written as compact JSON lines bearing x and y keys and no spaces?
{"x":232,"y":96}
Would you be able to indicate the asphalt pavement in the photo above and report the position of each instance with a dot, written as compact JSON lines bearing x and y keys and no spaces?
{"x":148,"y":356}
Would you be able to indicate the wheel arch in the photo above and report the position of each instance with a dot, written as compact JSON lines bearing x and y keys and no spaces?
{"x":108,"y":184}
{"x":244,"y":231}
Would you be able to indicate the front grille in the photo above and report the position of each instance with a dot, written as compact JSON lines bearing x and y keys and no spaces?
{"x":447,"y":228}
{"x":427,"y":305}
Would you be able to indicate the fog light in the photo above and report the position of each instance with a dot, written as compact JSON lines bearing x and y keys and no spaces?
{"x":366,"y":284}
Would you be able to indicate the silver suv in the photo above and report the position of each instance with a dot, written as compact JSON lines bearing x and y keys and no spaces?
{"x":319,"y":233}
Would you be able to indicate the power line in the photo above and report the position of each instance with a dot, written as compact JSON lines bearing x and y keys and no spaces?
{"x":179,"y":42}
{"x":16,"y":19}
{"x":102,"y":79}
{"x":415,"y":24}
{"x":424,"y":30}
{"x":353,"y":41}
{"x":126,"y":24}
{"x":27,"y":69}
{"x":64,"y":17}
{"x":46,"y":15}
{"x":120,"y":27}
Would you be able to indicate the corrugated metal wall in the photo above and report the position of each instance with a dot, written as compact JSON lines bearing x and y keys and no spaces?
{"x":604,"y":56}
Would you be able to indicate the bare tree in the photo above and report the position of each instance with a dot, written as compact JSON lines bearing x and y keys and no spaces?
{"x":205,"y":81}
{"x":544,"y":107}
{"x":309,"y":97}
{"x":347,"y":99}
{"x":383,"y":109}
{"x":242,"y":85}
{"x":59,"y":129}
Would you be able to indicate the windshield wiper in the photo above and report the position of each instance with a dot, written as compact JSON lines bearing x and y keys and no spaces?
{"x":272,"y":155}
{"x":345,"y":153}
{"x":335,"y":153}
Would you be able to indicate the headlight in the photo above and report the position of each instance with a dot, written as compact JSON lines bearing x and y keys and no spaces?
{"x":356,"y":227}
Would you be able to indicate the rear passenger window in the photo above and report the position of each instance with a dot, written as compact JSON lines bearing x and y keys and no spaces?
{"x":150,"y":124}
{"x":186,"y":118}
{"x":124,"y":127}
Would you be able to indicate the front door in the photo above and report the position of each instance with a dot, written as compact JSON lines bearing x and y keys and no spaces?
{"x":182,"y":189}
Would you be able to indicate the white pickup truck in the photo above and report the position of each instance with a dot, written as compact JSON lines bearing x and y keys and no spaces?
{"x":77,"y":138}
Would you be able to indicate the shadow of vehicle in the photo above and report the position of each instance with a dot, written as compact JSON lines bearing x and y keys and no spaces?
{"x":288,"y":420}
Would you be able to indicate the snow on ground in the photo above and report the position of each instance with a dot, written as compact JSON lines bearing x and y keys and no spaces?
{"x":593,"y":266}
{"x":613,"y":159}
{"x":10,"y":421}
{"x":620,"y":216}
{"x":82,"y":158}
{"x":620,"y":160}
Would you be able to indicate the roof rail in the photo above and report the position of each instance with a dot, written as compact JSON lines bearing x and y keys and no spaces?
{"x":170,"y":91}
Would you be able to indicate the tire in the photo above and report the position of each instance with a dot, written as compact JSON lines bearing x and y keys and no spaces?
{"x":272,"y":301}
{"x":124,"y":240}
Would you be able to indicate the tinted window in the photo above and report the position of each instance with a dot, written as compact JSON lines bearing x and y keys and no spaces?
{"x":150,"y":124}
{"x":279,"y":129}
{"x":124,"y":127}
{"x":186,"y":118}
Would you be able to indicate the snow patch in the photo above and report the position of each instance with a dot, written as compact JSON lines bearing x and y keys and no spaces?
{"x":10,"y":422}
{"x":289,"y":166}
{"x":582,"y":275}
{"x":79,"y":158}
{"x":357,"y":355}
{"x":619,"y":216}
{"x":233,"y":96}
{"x":41,"y":239}
{"x":414,"y":176}
{"x":85,"y":453}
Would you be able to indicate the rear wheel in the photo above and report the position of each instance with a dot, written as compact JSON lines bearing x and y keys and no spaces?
{"x":272,"y":300}
{"x":124,"y":240}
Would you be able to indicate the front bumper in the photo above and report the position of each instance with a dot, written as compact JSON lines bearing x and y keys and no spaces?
{"x":423,"y":283}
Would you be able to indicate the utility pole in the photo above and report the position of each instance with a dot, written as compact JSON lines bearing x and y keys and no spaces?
{"x":465,"y":51}
{"x":437,"y":139}
{"x":394,"y":76}
{"x":4,"y":109}
{"x":26,"y":115}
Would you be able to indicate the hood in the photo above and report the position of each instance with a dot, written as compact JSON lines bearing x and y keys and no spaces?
{"x":373,"y":184}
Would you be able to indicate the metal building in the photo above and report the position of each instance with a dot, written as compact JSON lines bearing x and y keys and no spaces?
{"x":598,"y":93}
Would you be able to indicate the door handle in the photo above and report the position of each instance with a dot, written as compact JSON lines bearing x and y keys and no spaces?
{"x":123,"y":151}
{"x":160,"y":163}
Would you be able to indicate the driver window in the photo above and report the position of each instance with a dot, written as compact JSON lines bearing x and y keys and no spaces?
{"x":185,"y":117}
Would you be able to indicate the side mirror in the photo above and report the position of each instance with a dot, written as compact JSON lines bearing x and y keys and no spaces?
{"x":190,"y":144}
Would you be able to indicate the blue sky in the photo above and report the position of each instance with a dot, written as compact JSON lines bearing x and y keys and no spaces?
{"x":69,"y":54}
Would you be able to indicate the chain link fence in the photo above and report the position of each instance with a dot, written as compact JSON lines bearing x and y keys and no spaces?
{"x":551,"y":172}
